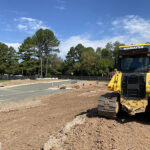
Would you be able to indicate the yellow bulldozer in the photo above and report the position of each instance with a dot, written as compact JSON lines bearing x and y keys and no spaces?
{"x":130,"y":85}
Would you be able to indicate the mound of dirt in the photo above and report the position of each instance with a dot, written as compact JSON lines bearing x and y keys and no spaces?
{"x":56,"y":141}
{"x":104,"y":134}
{"x":86,"y":84}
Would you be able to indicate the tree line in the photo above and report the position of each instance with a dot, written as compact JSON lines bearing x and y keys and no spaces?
{"x":38,"y":55}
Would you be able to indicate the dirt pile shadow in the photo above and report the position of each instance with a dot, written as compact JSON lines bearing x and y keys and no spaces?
{"x":122,"y":118}
{"x":90,"y":113}
{"x":143,"y":118}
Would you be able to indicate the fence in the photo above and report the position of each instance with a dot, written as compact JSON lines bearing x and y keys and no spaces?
{"x":15,"y":77}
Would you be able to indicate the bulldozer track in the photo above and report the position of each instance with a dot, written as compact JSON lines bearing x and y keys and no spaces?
{"x":107,"y":105}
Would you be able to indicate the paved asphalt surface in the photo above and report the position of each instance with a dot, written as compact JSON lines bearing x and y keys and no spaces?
{"x":21,"y":92}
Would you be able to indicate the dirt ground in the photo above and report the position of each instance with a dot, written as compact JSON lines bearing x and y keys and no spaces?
{"x":103,"y":134}
{"x":17,"y":82}
{"x":69,"y":121}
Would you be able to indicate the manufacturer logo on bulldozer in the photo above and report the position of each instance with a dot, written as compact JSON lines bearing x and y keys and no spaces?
{"x":133,"y":47}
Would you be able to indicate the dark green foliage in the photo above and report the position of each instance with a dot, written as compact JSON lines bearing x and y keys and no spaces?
{"x":8,"y":60}
{"x":99,"y":52}
{"x":106,"y":53}
{"x":73,"y":60}
{"x":88,"y":61}
{"x":35,"y":52}
{"x":12,"y":62}
{"x":82,"y":60}
{"x":45,"y":43}
{"x":104,"y":66}
{"x":55,"y":65}
{"x":37,"y":56}
{"x":28,"y":54}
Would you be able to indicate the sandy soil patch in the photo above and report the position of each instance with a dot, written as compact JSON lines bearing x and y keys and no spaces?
{"x":26,"y":81}
{"x":69,"y":121}
{"x":28,"y":127}
{"x":96,"y":133}
{"x":104,"y":134}
{"x":56,"y":141}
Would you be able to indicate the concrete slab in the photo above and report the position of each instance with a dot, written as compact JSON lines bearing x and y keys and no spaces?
{"x":21,"y":92}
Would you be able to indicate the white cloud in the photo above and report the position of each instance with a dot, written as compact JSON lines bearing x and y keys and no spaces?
{"x":133,"y":28}
{"x":60,"y":7}
{"x":29,"y":25}
{"x":129,"y":30}
{"x":115,"y":22}
{"x":85,"y":40}
{"x":15,"y":45}
{"x":61,"y":1}
{"x":28,"y":19}
{"x":99,"y":23}
{"x":22,"y":27}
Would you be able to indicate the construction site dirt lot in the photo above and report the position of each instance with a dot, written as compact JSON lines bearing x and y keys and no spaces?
{"x":19,"y":81}
{"x":69,"y":121}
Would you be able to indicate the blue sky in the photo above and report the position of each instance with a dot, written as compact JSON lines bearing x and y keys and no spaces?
{"x":90,"y":22}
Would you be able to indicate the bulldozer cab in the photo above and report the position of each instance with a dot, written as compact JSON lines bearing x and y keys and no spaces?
{"x":134,"y":58}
